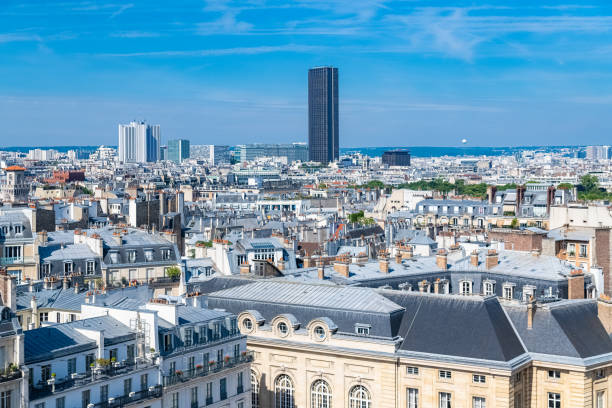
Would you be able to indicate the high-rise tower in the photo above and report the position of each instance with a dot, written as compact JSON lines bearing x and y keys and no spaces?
{"x":323,"y":146}
{"x":139,"y":143}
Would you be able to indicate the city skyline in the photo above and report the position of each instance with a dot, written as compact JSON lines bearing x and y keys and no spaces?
{"x":416,"y":73}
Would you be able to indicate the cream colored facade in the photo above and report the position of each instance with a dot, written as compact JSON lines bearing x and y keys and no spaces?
{"x":388,"y":375}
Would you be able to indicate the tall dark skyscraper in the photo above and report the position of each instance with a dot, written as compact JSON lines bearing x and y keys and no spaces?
{"x":323,"y":145}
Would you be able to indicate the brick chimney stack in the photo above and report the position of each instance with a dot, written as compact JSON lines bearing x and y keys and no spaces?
{"x":245,"y":269}
{"x":474,"y":258}
{"x":575,"y":285}
{"x":383,"y":263}
{"x":531,"y":309}
{"x":442,"y":259}
{"x":307,"y":261}
{"x":492,"y":259}
{"x":321,"y":269}
{"x":604,"y":312}
{"x":341,"y":265}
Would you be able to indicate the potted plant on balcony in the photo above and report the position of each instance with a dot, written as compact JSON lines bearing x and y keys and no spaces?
{"x":211,"y":363}
{"x":178,"y":373}
{"x":226,"y":359}
{"x":199,"y":367}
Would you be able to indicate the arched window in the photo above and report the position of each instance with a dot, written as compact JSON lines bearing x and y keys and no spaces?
{"x":320,"y":395}
{"x":283,"y":392}
{"x":359,"y":397}
{"x":254,"y":390}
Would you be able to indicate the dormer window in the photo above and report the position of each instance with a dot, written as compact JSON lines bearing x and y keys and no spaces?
{"x":90,"y":267}
{"x":466,"y":287}
{"x":68,"y":266}
{"x":4,"y":229}
{"x":131,"y":256}
{"x":18,"y":229}
{"x":188,"y":337}
{"x":45,"y":269}
{"x":508,"y":291}
{"x":488,"y":288}
{"x":362,"y":329}
{"x":148,"y":253}
{"x":165,"y":254}
{"x":114,"y":257}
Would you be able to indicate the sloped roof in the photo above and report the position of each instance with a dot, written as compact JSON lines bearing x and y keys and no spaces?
{"x":463,"y":326}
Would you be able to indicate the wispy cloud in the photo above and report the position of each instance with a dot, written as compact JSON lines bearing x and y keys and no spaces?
{"x":135,"y":34}
{"x":220,"y":51}
{"x":120,"y":10}
{"x":16,"y":37}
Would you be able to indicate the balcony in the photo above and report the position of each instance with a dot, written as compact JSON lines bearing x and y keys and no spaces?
{"x":9,"y":375}
{"x":43,"y":389}
{"x":117,"y":402}
{"x":188,"y":375}
{"x":18,"y":260}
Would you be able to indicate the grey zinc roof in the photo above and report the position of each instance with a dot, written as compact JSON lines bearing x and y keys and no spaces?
{"x":190,"y":314}
{"x":324,"y":296}
{"x":462,"y":326}
{"x":71,"y":251}
{"x":567,"y":328}
{"x":55,"y":341}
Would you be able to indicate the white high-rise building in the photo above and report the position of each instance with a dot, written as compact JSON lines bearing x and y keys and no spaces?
{"x":139,"y":142}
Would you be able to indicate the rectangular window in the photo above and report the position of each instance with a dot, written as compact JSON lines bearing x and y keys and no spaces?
{"x":191,"y":363}
{"x":479,"y":379}
{"x":203,"y":334}
{"x":362,"y":330}
{"x":554,"y":400}
{"x":67,"y":266}
{"x":132,"y":256}
{"x":45,"y":372}
{"x":130,"y":352}
{"x":555,"y":374}
{"x":223,"y":389}
{"x":112,"y":354}
{"x":59,"y":403}
{"x":148,"y":255}
{"x":479,"y":402}
{"x":508,"y":292}
{"x":175,"y":400}
{"x":583,"y":251}
{"x":5,"y":399}
{"x":127,"y":386}
{"x":194,"y":397}
{"x":44,"y":316}
{"x":85,"y":398}
{"x":518,"y":400}
{"x":144,"y":382}
{"x":45,"y":269}
{"x":444,"y":374}
{"x":412,"y":398}
{"x":209,"y":391}
{"x":91,"y":267}
{"x":601,"y":373}
{"x":165,"y":254}
{"x":236,"y":350}
{"x":104,"y":394}
{"x":445,"y":400}
{"x":167,"y":342}
{"x":220,"y":356}
{"x":71,"y":366}
{"x":240,"y":386}
{"x":600,"y":399}
{"x":188,"y":337}
{"x":412,"y":370}
{"x":89,"y":361}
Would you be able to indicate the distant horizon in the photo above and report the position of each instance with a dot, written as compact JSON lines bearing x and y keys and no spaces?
{"x":230,"y":72}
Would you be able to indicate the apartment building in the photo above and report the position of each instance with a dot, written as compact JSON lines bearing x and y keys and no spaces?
{"x":361,"y":347}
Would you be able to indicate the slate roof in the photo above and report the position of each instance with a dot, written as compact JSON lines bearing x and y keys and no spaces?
{"x":461,"y":326}
{"x":51,"y":342}
{"x":567,"y":328}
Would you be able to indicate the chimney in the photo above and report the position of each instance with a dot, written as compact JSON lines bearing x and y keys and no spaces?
{"x":307,"y":261}
{"x":65,"y":283}
{"x":492,"y":259}
{"x":341,"y":265}
{"x":604,"y":312}
{"x":437,"y":286}
{"x":321,"y":270}
{"x":531,"y":309}
{"x":422,"y":285}
{"x":281,"y":264}
{"x":31,"y":286}
{"x":575,"y":285}
{"x":474,"y":258}
{"x":407,"y":252}
{"x":520,"y":195}
{"x":7,"y":289}
{"x":398,"y":256}
{"x":442,"y":260}
{"x":245,"y":269}
{"x":76,"y":288}
{"x":43,"y":237}
{"x":383,"y":263}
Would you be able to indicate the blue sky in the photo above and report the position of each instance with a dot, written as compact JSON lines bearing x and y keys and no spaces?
{"x":411,"y":72}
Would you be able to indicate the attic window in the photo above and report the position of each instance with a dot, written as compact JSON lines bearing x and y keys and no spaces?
{"x":362,"y":329}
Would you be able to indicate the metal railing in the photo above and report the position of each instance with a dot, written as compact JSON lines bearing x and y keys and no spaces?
{"x":117,"y":402}
{"x":16,"y":260}
{"x":188,"y":375}
{"x":44,"y":389}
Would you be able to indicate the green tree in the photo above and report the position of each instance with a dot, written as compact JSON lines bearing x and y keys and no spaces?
{"x":355,"y":217}
{"x":565,"y":186}
{"x":589,"y":183}
{"x":515,"y":223}
{"x":173,"y":272}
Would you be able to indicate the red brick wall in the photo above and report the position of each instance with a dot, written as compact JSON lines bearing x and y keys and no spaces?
{"x":602,"y":256}
{"x":517,"y":241}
